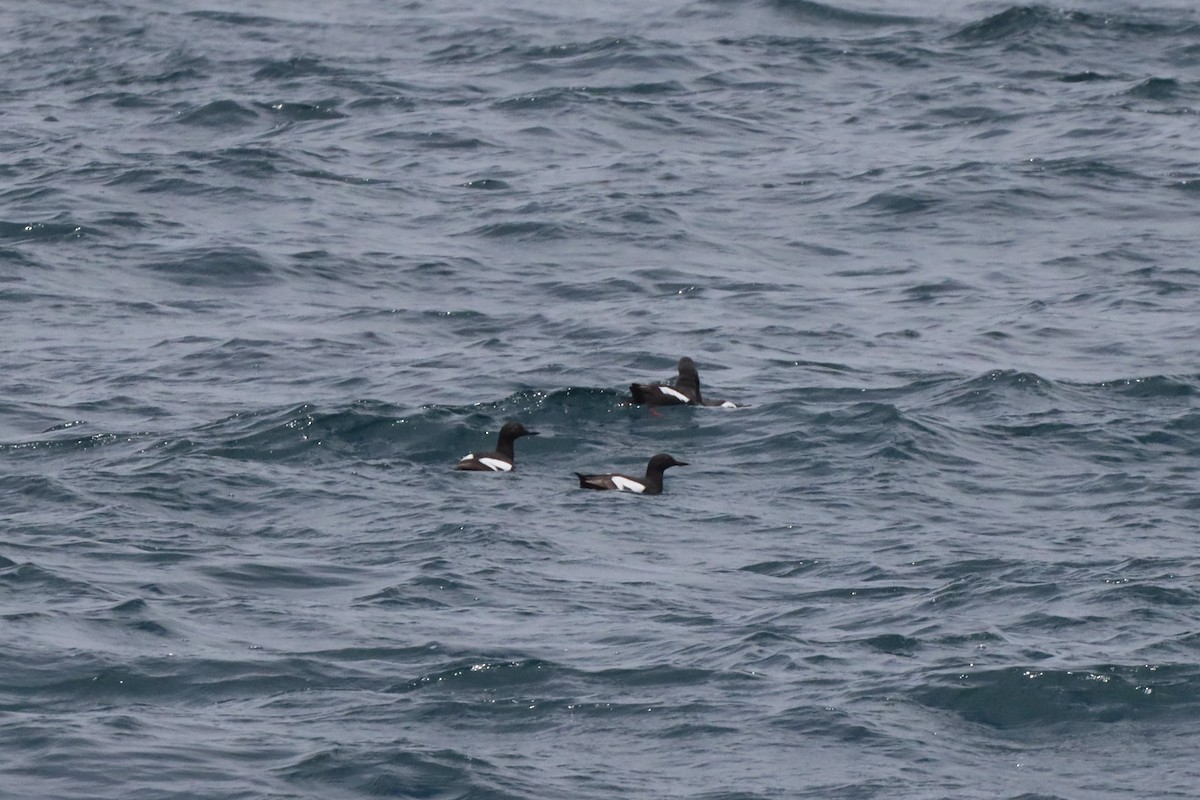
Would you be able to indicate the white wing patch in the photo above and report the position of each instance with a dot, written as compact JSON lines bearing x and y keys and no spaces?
{"x":495,"y":464}
{"x":667,"y":390}
{"x":624,"y":484}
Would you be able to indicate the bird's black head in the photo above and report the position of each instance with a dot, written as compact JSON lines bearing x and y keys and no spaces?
{"x":662,"y":461}
{"x":514,"y":429}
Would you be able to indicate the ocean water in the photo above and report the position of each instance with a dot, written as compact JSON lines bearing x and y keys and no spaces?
{"x":268,"y":269}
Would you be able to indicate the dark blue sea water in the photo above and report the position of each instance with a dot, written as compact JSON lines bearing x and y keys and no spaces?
{"x":268,"y":269}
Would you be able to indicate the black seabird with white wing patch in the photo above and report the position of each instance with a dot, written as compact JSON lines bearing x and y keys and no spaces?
{"x":652,"y":483}
{"x":500,"y":460}
{"x":684,"y":392}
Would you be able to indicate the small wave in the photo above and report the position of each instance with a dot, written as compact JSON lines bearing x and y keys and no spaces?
{"x":1004,"y":390}
{"x":1187,"y":185}
{"x":879,"y":434}
{"x":285,"y":434}
{"x":281,"y":576}
{"x":1009,"y":380}
{"x":41,"y":581}
{"x":332,"y":177}
{"x":228,"y":267}
{"x":542,"y":100}
{"x":225,"y":114}
{"x":436,"y":140}
{"x":487,"y":184}
{"x":400,"y":597}
{"x":1017,"y":697}
{"x":782,"y":569}
{"x":531,"y":231}
{"x":392,"y":772}
{"x":1086,"y":76}
{"x":297,"y":67}
{"x":637,"y":89}
{"x":132,"y":615}
{"x":234,"y":18}
{"x":570,"y":50}
{"x":304,"y":112}
{"x":900,"y":203}
{"x":895,"y":644}
{"x":931,"y":292}
{"x":1153,"y":386}
{"x":69,"y":444}
{"x":1025,"y":22}
{"x":1105,"y":172}
{"x":1155,"y":89}
{"x":1151,"y":597}
{"x":154,"y":181}
{"x":825,"y":722}
{"x":64,"y":425}
{"x":384,"y":100}
{"x":482,"y":675}
{"x":13,"y":258}
{"x":244,"y":162}
{"x":37,"y":488}
{"x":810,"y":11}
{"x":1011,"y":22}
{"x":478,"y":46}
{"x":50,"y":231}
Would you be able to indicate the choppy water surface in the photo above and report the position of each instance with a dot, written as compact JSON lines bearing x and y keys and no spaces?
{"x":268,"y":270}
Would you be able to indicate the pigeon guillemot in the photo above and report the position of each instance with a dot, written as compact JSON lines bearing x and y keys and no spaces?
{"x":651,"y":484}
{"x":685,"y":392}
{"x":502,"y":459}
